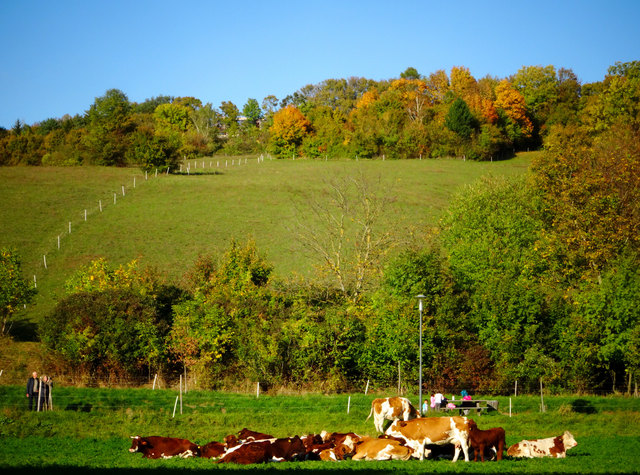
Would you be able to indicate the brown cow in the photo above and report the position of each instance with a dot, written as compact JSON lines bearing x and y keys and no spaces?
{"x":489,"y":439}
{"x":155,"y":447}
{"x":246,"y":434}
{"x":270,"y":450}
{"x":248,"y":453}
{"x":551,"y":447}
{"x":382,"y":449}
{"x":433,"y":430}
{"x":393,"y":409}
{"x":212,"y":450}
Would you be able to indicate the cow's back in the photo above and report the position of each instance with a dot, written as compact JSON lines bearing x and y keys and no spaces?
{"x":432,"y":430}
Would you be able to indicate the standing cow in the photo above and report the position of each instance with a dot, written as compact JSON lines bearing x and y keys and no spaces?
{"x":433,"y":430}
{"x":393,"y":409}
{"x":480,"y":440}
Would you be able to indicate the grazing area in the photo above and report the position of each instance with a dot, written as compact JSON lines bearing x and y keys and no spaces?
{"x":166,"y":222}
{"x":90,"y":431}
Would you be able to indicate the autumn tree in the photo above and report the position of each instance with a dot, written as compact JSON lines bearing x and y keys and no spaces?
{"x":593,"y":190}
{"x":289,"y":129}
{"x":511,"y":104}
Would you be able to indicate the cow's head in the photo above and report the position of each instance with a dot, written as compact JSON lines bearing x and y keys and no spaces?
{"x":135,"y":443}
{"x":568,"y":440}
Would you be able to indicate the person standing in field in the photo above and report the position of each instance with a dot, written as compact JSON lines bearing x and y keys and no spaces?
{"x":45,"y":393}
{"x":33,"y":388}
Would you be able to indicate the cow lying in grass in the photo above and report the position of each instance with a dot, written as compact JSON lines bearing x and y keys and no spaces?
{"x":155,"y":447}
{"x":551,"y":447}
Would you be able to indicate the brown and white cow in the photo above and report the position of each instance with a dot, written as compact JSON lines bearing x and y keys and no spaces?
{"x":551,"y":447}
{"x":433,"y":430}
{"x":393,"y":409}
{"x":480,"y":440}
{"x":382,"y":449}
{"x":155,"y":447}
{"x":247,"y":434}
{"x":269,"y":450}
{"x":248,"y":453}
{"x":212,"y":450}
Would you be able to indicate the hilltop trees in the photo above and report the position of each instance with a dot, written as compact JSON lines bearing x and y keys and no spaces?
{"x":411,"y":116}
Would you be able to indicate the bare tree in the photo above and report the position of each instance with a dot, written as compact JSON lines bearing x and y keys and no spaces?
{"x":341,"y":227}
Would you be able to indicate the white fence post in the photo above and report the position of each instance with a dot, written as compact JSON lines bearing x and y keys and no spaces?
{"x":175,"y":406}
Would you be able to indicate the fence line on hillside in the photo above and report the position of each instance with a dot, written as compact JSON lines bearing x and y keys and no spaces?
{"x":84,"y":217}
{"x":185,"y":167}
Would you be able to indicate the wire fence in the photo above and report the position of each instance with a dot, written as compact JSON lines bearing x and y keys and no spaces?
{"x":213,"y":402}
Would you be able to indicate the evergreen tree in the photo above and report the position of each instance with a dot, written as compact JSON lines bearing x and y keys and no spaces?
{"x":460,"y":119}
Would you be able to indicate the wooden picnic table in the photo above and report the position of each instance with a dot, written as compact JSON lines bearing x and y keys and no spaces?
{"x":478,"y":405}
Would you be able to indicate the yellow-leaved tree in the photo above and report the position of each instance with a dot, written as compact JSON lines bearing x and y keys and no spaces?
{"x":513,"y":112}
{"x":289,"y":129}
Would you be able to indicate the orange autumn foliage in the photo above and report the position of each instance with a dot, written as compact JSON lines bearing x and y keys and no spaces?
{"x":511,"y":101}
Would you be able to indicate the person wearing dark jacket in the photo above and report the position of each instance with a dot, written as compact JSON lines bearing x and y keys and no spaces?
{"x":33,"y":390}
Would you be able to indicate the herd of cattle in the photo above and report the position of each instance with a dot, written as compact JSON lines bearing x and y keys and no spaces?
{"x":408,"y":436}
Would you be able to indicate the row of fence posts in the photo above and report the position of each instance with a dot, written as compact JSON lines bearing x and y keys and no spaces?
{"x":187,"y":164}
{"x":44,"y":257}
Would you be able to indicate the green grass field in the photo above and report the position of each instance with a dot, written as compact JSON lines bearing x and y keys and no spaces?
{"x":89,"y":430}
{"x":166,"y":222}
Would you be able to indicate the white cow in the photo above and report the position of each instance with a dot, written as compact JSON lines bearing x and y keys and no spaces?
{"x":393,"y":409}
{"x":551,"y":447}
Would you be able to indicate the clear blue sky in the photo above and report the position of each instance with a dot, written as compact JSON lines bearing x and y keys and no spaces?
{"x":56,"y":57}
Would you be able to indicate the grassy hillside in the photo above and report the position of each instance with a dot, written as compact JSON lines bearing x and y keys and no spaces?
{"x":167,"y":221}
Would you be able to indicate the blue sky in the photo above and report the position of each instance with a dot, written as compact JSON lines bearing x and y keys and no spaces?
{"x":58,"y":56}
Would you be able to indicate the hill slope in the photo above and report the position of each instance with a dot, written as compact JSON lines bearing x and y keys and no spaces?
{"x":167,"y":221}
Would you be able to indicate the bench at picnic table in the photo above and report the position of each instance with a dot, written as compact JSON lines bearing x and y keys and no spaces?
{"x":477,"y":405}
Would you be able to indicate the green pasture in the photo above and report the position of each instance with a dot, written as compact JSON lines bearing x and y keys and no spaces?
{"x":89,"y":430}
{"x":168,"y":220}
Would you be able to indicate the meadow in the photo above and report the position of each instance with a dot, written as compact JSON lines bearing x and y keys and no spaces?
{"x":89,"y":430}
{"x":167,"y":221}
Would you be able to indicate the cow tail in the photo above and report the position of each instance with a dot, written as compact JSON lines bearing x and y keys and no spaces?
{"x":371,"y":412}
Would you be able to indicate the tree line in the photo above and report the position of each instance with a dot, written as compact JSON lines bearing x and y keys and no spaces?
{"x":415,"y":115}
{"x":524,"y":279}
